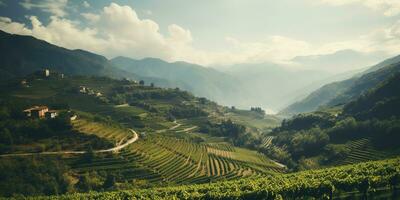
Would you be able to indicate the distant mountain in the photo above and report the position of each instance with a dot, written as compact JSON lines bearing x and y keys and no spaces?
{"x":344,"y":91}
{"x":201,"y":81}
{"x":273,"y":86}
{"x":339,"y":61}
{"x":22,"y":55}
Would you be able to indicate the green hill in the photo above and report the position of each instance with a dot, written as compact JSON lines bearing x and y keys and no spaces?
{"x":364,"y":129}
{"x":182,"y":139}
{"x":23,"y":55}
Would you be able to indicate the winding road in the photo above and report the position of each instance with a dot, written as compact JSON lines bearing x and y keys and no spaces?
{"x":114,"y":149}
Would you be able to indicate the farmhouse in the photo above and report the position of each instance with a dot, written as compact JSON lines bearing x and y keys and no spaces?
{"x":51,"y":114}
{"x":36,"y":111}
{"x":82,"y":89}
{"x":46,"y":72}
{"x":24,"y":82}
{"x":40,"y":112}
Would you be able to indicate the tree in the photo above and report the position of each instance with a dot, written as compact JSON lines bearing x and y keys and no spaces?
{"x":89,"y":155}
{"x":151,"y":84}
{"x":141,"y":82}
{"x":109,"y":182}
{"x":84,"y":184}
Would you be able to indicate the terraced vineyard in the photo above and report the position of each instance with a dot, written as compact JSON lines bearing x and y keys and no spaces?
{"x":113,"y":133}
{"x":362,"y":150}
{"x":162,"y":159}
{"x":375,"y":180}
{"x":267,"y":141}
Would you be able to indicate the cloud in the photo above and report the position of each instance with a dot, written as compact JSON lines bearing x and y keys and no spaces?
{"x":6,"y":24}
{"x":85,"y":4}
{"x":91,"y":17}
{"x":388,"y":7}
{"x":384,"y":39}
{"x":54,"y":7}
{"x":118,"y":31}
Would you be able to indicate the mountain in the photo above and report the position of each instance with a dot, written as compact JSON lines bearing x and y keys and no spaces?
{"x":22,"y":55}
{"x":339,"y":61}
{"x":344,"y":91}
{"x":201,"y":81}
{"x":365,"y":128}
{"x":381,"y":102}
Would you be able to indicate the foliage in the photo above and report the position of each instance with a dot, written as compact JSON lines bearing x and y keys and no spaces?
{"x":187,"y":112}
{"x":319,"y":184}
{"x":33,"y":176}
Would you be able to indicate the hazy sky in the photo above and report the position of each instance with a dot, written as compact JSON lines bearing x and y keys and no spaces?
{"x":210,"y":32}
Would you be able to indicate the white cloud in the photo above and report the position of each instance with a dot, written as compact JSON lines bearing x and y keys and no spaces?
{"x":85,"y":4}
{"x":385,"y":39}
{"x":117,"y":30}
{"x":91,"y":17}
{"x":6,"y":24}
{"x":54,"y":7}
{"x":388,"y":7}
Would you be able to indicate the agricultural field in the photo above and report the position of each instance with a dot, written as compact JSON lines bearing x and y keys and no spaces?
{"x":362,"y":150}
{"x":378,"y":179}
{"x":169,"y":150}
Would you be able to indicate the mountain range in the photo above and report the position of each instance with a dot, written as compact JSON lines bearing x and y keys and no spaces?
{"x":242,"y":85}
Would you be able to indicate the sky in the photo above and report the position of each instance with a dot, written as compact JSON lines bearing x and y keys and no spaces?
{"x":210,"y":32}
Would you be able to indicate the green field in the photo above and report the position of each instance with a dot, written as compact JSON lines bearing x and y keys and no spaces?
{"x":377,"y":180}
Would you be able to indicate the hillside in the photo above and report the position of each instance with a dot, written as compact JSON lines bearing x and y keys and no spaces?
{"x":182,"y":139}
{"x":380,"y":102}
{"x":199,"y":80}
{"x":343,"y":91}
{"x":23,"y":55}
{"x":364,"y":129}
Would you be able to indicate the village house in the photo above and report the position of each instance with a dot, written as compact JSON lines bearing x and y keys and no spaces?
{"x":82,"y":89}
{"x":46,"y":72}
{"x":51,"y":114}
{"x":73,"y":117}
{"x":40,"y":112}
{"x":23,"y":82}
{"x":36,"y":111}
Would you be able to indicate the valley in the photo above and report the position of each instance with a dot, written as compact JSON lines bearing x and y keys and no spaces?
{"x":79,"y":125}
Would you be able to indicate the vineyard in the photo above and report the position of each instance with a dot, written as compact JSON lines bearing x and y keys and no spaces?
{"x":110,"y":132}
{"x":267,"y":141}
{"x":362,"y":150}
{"x":162,"y":159}
{"x":364,"y":179}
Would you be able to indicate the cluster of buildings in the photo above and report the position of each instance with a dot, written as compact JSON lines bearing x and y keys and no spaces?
{"x":89,"y":91}
{"x":40,"y":112}
{"x":45,"y":73}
